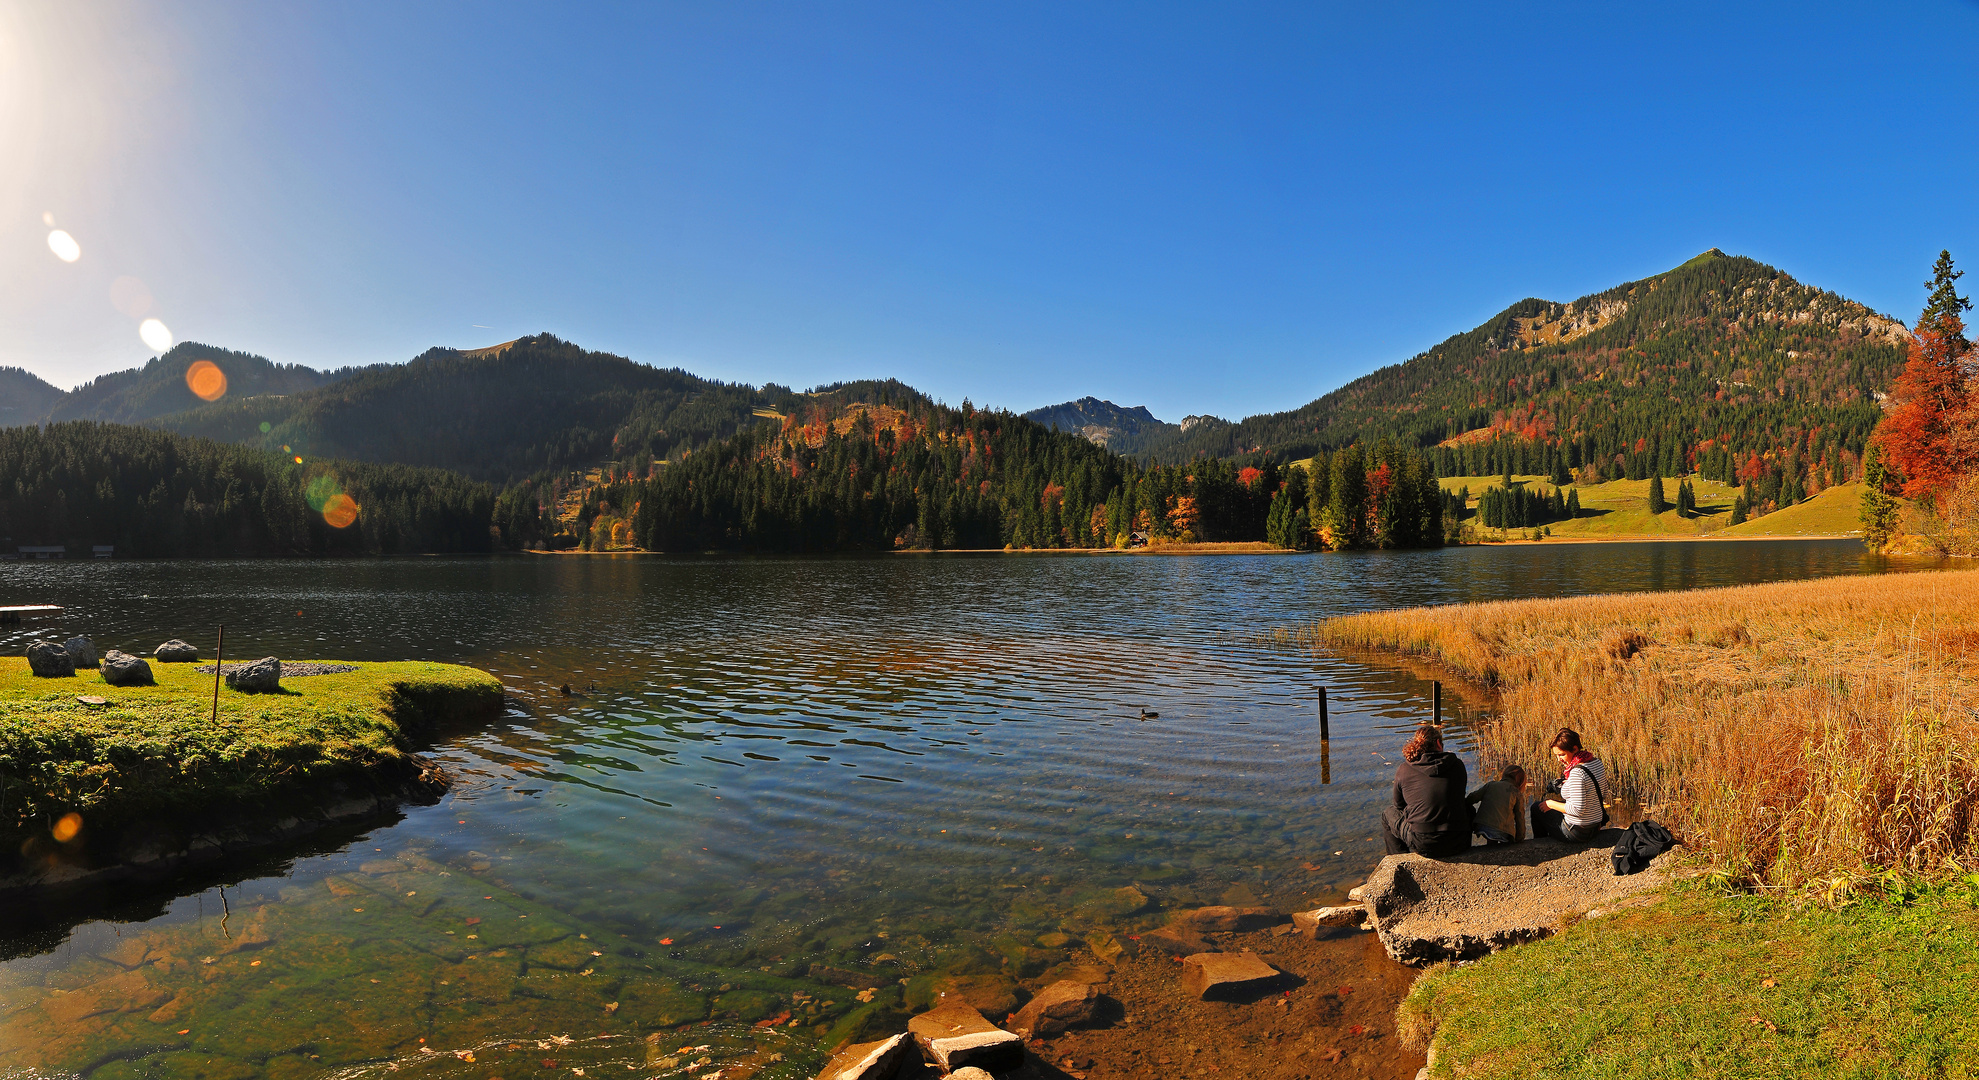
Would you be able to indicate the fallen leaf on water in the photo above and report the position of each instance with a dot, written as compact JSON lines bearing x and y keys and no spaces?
{"x":1356,"y":1030}
{"x":1332,"y":1054}
{"x":1310,"y":866}
{"x":865,"y":995}
{"x":254,"y":963}
{"x":587,"y":971}
{"x":595,"y":952}
{"x":414,"y":892}
{"x":611,"y":1008}
{"x":187,"y":1031}
{"x":1344,"y":991}
{"x":473,"y":920}
{"x":464,"y":1055}
{"x":666,"y":941}
{"x":560,"y":1040}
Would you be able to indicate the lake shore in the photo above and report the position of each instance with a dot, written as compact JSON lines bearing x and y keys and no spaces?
{"x":1813,"y":745}
{"x":104,"y":782}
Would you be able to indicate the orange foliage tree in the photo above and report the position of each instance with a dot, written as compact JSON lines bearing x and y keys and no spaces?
{"x":1928,"y":437}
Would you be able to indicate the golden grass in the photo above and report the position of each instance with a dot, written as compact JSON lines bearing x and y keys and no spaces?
{"x":1797,"y":734}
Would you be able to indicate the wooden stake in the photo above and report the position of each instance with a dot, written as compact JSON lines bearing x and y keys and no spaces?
{"x":219,"y":654}
{"x":1324,"y":734}
{"x":1438,"y":707}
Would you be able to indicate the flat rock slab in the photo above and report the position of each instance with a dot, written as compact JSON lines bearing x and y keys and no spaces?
{"x":1226,"y":975}
{"x":869,"y":1061}
{"x":1059,"y":1007}
{"x":1465,"y":906}
{"x":954,"y":1036}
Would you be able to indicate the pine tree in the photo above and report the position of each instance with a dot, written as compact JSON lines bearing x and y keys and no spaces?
{"x":1879,"y":509}
{"x":1738,"y":510}
{"x":1573,"y":503}
{"x":1657,"y":504}
{"x":1945,"y":305}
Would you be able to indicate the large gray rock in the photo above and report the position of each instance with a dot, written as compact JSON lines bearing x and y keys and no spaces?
{"x":123,"y":669}
{"x":1465,"y":906}
{"x":81,"y":650}
{"x":176,"y":652}
{"x":263,"y":676}
{"x":50,"y":661}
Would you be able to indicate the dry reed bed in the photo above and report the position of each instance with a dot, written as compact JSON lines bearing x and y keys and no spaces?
{"x":1800,"y":734}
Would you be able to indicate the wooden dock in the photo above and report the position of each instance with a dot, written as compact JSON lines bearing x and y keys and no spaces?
{"x":13,"y":615}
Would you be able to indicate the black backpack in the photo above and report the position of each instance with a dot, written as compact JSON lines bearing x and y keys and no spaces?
{"x":1640,"y":843}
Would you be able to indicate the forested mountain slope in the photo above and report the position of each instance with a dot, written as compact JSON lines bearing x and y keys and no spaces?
{"x":24,"y":397}
{"x":1722,"y":350}
{"x":160,"y":387}
{"x":499,"y":414}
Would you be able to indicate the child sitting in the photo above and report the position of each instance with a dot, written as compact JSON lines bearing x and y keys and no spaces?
{"x":1500,"y":816}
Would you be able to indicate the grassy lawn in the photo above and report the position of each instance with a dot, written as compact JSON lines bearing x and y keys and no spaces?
{"x":1620,"y":508}
{"x":155,"y":750}
{"x":1724,"y":986}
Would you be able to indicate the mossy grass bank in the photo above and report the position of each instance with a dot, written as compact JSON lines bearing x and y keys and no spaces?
{"x":1708,"y":984}
{"x":151,"y":754}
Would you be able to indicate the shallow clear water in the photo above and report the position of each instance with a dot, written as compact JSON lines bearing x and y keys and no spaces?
{"x":906,"y":768}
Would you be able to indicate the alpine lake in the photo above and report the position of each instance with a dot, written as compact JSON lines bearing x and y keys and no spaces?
{"x":786,"y":801}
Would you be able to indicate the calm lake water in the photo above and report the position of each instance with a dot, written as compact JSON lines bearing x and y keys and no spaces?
{"x":909,"y":768}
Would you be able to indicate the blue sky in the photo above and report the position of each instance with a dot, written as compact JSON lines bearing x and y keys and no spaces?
{"x":1217,"y":208}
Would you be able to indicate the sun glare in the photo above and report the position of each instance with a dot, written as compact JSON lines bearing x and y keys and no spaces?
{"x":340,"y":511}
{"x":131,"y":297}
{"x":64,"y":246}
{"x":205,"y":379}
{"x":155,"y":335}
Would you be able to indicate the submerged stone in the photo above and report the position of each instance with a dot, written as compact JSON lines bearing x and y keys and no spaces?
{"x":1226,"y":975}
{"x":1342,"y":917}
{"x":1062,"y":1005}
{"x":1224,"y":919}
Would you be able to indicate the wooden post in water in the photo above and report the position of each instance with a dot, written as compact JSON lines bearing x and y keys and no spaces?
{"x":1436,"y":713}
{"x":219,"y":654}
{"x":1325,"y":742}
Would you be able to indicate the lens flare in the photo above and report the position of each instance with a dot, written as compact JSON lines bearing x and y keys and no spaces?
{"x":64,"y":246}
{"x":205,"y":379}
{"x":340,"y":511}
{"x":131,"y":296}
{"x":321,"y":490}
{"x":66,"y":829}
{"x":155,"y":335}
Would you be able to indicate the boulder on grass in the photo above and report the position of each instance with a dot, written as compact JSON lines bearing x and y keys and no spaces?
{"x":123,"y":669}
{"x":1059,"y":1007}
{"x":175,"y":652}
{"x":264,"y":676}
{"x":50,"y":661}
{"x":954,"y":1036}
{"x":81,"y":650}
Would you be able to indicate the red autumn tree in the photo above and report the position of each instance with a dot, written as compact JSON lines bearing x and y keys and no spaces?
{"x":1926,"y":438}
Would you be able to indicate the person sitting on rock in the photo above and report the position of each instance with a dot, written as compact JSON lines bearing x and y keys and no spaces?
{"x":1497,"y":817}
{"x":1574,"y":808}
{"x":1429,"y":815}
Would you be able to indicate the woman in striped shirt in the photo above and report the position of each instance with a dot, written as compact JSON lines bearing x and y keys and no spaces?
{"x":1573,"y":811}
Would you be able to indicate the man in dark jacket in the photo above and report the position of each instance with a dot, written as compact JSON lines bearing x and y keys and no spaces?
{"x":1429,"y":815}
